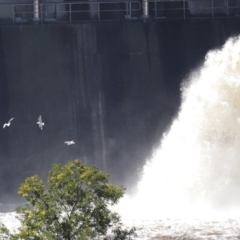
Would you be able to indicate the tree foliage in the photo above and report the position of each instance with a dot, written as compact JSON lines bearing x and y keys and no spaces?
{"x":75,"y":205}
{"x":4,"y":232}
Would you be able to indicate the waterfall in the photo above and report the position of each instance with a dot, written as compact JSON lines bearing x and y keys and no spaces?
{"x":196,"y":168}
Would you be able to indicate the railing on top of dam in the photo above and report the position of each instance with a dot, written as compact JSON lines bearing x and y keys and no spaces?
{"x":111,"y":10}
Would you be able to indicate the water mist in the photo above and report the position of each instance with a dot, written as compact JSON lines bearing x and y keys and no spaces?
{"x":196,"y":169}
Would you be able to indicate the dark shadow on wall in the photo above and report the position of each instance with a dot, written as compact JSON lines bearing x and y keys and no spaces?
{"x":5,"y":163}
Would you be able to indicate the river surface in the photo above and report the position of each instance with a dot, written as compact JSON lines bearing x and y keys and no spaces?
{"x":177,"y":229}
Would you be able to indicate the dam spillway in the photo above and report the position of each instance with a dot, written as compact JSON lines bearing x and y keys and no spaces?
{"x":113,"y":88}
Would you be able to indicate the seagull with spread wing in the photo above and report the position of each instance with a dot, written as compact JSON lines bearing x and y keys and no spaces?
{"x":69,"y":142}
{"x":40,"y":122}
{"x":8,"y":124}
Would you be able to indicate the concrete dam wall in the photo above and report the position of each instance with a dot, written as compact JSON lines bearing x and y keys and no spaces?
{"x":113,"y":88}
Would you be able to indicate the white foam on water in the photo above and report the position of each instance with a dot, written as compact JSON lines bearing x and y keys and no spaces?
{"x":10,"y":221}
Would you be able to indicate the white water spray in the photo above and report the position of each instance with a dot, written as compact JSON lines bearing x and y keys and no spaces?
{"x":197,"y":167}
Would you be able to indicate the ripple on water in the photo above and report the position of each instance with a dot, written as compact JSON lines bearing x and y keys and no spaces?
{"x":167,"y":229}
{"x":176,"y":229}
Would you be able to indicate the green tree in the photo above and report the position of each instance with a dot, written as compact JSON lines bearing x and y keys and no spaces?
{"x":75,"y":205}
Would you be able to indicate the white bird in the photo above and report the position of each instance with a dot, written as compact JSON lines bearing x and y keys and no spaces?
{"x":69,"y":142}
{"x":40,"y":122}
{"x":8,"y":124}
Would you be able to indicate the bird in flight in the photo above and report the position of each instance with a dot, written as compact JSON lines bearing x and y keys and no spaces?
{"x":8,"y":124}
{"x":69,"y":142}
{"x":40,"y":122}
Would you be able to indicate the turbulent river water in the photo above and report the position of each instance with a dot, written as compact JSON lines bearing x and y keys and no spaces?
{"x":190,"y":186}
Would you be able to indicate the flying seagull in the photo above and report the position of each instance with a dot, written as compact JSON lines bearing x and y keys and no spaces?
{"x":69,"y":142}
{"x":8,"y":124}
{"x":40,"y":122}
